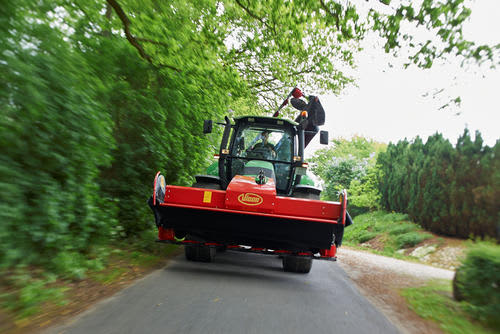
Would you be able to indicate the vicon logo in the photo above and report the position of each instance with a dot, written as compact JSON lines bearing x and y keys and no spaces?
{"x":250,"y":199}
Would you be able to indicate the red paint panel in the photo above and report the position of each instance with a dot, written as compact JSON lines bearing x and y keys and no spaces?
{"x":244,"y":194}
{"x":325,"y":254}
{"x":305,"y":253}
{"x":166,"y":233}
{"x":328,"y":252}
{"x":195,"y":196}
{"x":271,"y":205}
{"x":307,"y":208}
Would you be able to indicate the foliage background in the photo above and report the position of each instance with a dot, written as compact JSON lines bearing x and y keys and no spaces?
{"x":97,"y":96}
{"x":349,"y":163}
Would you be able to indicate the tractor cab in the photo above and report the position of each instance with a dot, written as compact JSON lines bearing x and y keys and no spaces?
{"x":262,"y":145}
{"x":255,"y":198}
{"x":271,"y":147}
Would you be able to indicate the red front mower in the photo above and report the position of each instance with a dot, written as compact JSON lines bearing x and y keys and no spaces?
{"x":258,"y":197}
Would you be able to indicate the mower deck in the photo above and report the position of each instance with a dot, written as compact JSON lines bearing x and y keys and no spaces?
{"x":248,"y":214}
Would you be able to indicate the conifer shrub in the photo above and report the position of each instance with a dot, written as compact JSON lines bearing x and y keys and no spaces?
{"x":402,"y":229}
{"x":410,"y":239}
{"x":366,"y":236}
{"x":446,"y":189}
{"x":477,"y":282}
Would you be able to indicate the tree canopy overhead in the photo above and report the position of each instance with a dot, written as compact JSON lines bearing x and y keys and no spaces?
{"x":277,"y":44}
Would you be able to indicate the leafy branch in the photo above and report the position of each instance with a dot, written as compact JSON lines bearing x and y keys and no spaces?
{"x":255,"y":16}
{"x":131,"y":38}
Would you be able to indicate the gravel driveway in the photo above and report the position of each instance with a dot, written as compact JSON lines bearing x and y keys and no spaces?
{"x":416,"y":270}
{"x":379,"y":278}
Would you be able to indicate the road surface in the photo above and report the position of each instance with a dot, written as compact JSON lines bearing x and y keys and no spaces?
{"x":239,"y":293}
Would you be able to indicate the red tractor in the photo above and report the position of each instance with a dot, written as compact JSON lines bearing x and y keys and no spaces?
{"x":257,"y":197}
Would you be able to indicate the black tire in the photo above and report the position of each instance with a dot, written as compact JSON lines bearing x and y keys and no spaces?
{"x":199,"y":253}
{"x":207,"y":185}
{"x":297,"y":264}
{"x":306,"y":195}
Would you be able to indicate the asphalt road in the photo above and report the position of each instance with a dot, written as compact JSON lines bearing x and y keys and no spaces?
{"x":239,"y":293}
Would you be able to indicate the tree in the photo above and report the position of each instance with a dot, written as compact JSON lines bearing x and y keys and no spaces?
{"x":350,"y":164}
{"x":54,"y":137}
{"x":159,"y":100}
{"x":274,"y":46}
{"x":448,"y":190}
{"x":364,"y":193}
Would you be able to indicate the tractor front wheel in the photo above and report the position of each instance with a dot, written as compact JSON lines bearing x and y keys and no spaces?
{"x":297,"y":264}
{"x":199,"y":253}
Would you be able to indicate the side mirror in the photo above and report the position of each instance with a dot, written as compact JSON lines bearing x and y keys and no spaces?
{"x":207,"y":126}
{"x":323,"y":137}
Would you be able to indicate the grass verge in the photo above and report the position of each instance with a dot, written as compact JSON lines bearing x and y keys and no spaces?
{"x":435,"y":302}
{"x":385,"y":233}
{"x":34,"y":298}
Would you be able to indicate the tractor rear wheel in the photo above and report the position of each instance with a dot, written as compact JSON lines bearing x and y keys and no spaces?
{"x":297,"y":264}
{"x":199,"y":253}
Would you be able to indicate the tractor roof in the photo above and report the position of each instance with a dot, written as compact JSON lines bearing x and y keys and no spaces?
{"x":265,"y":120}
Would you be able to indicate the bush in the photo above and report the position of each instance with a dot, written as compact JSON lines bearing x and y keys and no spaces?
{"x":432,"y":302}
{"x":366,"y":236}
{"x":72,"y":265}
{"x":410,"y":239}
{"x":364,"y":195}
{"x":478,"y":283}
{"x":55,"y":136}
{"x":369,"y":225}
{"x":393,"y":217}
{"x":28,"y":291}
{"x":355,"y":211}
{"x":402,"y":229}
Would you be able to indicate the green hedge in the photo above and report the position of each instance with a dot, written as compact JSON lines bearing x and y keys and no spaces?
{"x":86,"y":123}
{"x":447,"y":189}
{"x":478,"y":283}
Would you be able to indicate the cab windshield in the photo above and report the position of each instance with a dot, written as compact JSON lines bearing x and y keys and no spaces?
{"x":274,"y":145}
